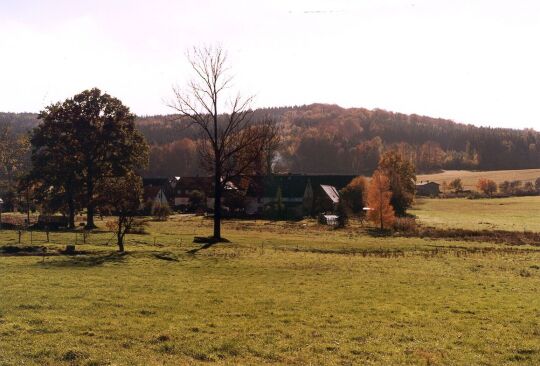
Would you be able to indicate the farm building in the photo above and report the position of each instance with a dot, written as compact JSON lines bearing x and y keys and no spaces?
{"x":427,"y":189}
{"x":154,"y":199}
{"x":293,"y":195}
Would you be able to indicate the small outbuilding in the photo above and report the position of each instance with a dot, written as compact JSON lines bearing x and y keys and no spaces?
{"x":331,"y":220}
{"x":428,"y":189}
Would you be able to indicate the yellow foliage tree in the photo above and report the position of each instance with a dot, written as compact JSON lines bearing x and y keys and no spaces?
{"x":381,"y":211}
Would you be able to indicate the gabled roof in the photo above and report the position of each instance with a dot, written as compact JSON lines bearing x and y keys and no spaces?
{"x":203,"y":184}
{"x":294,"y":185}
{"x":155,"y":182}
{"x":291,"y":185}
{"x":427,"y":183}
{"x":331,"y":192}
{"x":150,"y":192}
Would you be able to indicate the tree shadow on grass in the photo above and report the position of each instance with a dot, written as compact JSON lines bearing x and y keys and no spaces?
{"x":207,"y":242}
{"x":378,"y":233}
{"x":22,"y":250}
{"x":89,"y":259}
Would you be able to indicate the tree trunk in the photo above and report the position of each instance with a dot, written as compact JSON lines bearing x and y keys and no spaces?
{"x":120,"y":236}
{"x":381,"y":208}
{"x":71,"y":213}
{"x":217,"y":202}
{"x":120,"y":243}
{"x":90,"y":200}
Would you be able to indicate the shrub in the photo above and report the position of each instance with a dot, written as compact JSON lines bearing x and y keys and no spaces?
{"x":405,"y":225}
{"x":474,"y":195}
{"x":138,"y":227}
{"x":515,"y":186}
{"x":528,"y":187}
{"x":354,"y":195}
{"x":456,"y":185}
{"x":504,"y":187}
{"x":162,"y":213}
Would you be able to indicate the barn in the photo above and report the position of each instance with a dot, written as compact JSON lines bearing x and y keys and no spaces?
{"x":428,"y":189}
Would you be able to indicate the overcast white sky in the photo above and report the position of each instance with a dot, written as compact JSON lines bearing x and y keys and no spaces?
{"x":468,"y":60}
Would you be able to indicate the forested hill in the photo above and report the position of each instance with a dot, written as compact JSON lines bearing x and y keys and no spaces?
{"x":327,"y":139}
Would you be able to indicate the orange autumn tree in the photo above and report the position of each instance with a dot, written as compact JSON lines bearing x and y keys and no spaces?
{"x":486,"y":186}
{"x":381,"y":211}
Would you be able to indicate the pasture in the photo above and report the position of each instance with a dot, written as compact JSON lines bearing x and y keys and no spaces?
{"x":512,"y":214}
{"x":279,"y":293}
{"x":470,"y":178}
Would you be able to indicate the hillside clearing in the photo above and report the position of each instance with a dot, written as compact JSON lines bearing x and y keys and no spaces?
{"x":470,"y":178}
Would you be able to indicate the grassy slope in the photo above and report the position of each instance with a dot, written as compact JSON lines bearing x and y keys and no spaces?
{"x":514,"y":214}
{"x":269,"y":297}
{"x":470,"y":178}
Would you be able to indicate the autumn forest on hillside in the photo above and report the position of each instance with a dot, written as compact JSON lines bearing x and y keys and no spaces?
{"x":328,"y":139}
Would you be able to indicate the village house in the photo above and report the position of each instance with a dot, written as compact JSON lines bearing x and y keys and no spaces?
{"x":155,"y":194}
{"x":289,"y":195}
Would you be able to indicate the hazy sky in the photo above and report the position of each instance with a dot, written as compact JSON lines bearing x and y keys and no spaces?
{"x":470,"y":61}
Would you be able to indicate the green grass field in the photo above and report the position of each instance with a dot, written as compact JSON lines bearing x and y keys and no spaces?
{"x":513,"y":214}
{"x":279,"y":293}
{"x":470,"y":178}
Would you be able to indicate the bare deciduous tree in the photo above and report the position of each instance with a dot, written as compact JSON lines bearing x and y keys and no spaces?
{"x":232,"y":141}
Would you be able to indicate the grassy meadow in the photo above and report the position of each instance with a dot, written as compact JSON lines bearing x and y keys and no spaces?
{"x":279,"y":293}
{"x":513,"y":214}
{"x":470,"y":178}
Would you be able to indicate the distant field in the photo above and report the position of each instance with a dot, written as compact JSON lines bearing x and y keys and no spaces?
{"x":470,"y":178}
{"x":279,"y":293}
{"x":514,"y":214}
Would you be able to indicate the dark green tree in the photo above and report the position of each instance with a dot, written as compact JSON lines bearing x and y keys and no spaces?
{"x":402,"y":176}
{"x":99,"y":141}
{"x":56,"y":173}
{"x":14,"y":158}
{"x":354,"y":195}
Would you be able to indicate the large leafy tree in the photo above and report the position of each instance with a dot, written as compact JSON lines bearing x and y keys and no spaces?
{"x":56,"y":173}
{"x":402,"y":176}
{"x":84,"y":140}
{"x":14,"y":150}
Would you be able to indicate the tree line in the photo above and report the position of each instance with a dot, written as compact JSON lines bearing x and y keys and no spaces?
{"x":327,"y":139}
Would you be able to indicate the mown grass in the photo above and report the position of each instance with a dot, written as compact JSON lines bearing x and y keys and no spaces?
{"x":469,"y":178}
{"x":514,"y":214}
{"x":279,"y":293}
